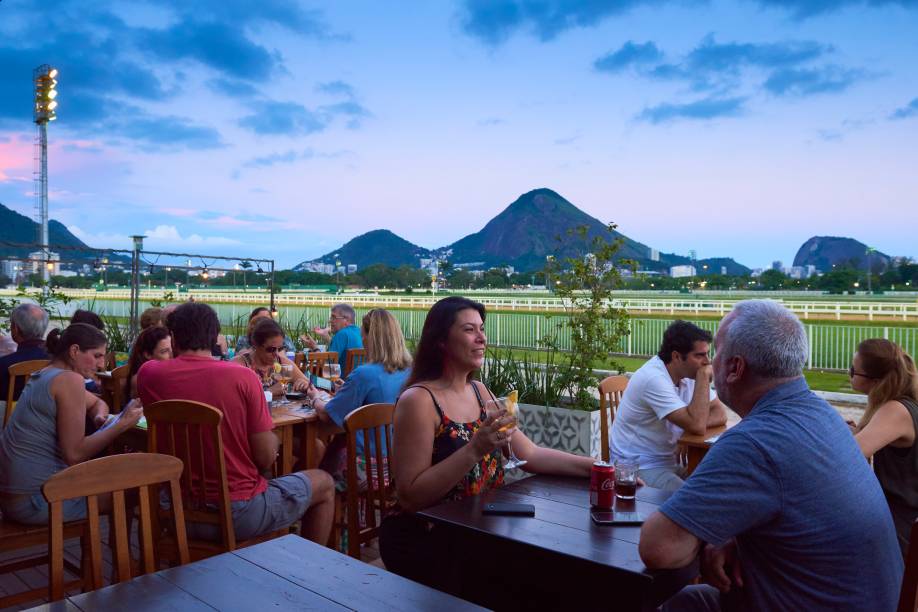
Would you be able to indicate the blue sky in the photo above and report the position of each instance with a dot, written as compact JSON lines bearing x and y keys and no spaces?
{"x":282,"y":129}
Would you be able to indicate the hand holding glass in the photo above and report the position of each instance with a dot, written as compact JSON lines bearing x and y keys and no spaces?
{"x":508,"y":404}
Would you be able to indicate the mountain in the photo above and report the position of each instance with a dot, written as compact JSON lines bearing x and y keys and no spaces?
{"x":522,"y":235}
{"x":376,"y":247}
{"x":827,"y":251}
{"x":18,"y":228}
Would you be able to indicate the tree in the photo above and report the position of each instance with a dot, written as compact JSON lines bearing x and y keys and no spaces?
{"x":772,"y":280}
{"x":596,"y":328}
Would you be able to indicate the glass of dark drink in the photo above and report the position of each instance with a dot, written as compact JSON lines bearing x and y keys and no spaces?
{"x":626,"y":471}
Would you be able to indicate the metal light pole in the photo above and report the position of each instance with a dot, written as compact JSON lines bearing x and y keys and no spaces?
{"x":45,"y":81}
{"x":869,"y":251}
{"x":135,"y":285}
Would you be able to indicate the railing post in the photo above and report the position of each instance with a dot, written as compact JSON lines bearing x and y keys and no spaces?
{"x":809,"y":357}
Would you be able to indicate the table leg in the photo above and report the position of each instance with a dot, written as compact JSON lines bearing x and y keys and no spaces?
{"x":287,"y":458}
{"x":308,"y":451}
{"x":695,"y":455}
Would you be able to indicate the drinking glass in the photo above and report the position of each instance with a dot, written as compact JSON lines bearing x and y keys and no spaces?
{"x":626,"y":471}
{"x":492,"y":408}
{"x":284,"y":377}
{"x":332,"y":371}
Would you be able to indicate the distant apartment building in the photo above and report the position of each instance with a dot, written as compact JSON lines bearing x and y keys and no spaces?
{"x":351,"y":268}
{"x":654,"y":255}
{"x":777,"y":265}
{"x":319,"y":267}
{"x":756,"y":272}
{"x":34,"y":266}
{"x":682,"y":271}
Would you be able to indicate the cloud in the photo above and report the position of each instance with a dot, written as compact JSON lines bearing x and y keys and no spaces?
{"x":336,"y":88}
{"x":567,"y":140}
{"x":708,"y":108}
{"x":807,"y":82}
{"x":629,"y":54}
{"x":491,"y":121}
{"x":291,"y":156}
{"x":169,"y":234}
{"x":233,"y":88}
{"x":290,"y":118}
{"x":494,"y":21}
{"x":802,"y":9}
{"x":909,"y":110}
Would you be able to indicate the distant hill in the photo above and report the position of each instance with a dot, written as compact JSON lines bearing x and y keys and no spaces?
{"x":522,"y":235}
{"x":826,"y":251}
{"x":15,"y":227}
{"x":375,"y":247}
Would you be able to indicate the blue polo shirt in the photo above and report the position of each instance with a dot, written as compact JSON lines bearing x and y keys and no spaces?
{"x":27,"y":350}
{"x":367,"y":384}
{"x":790,"y":484}
{"x":344,"y":339}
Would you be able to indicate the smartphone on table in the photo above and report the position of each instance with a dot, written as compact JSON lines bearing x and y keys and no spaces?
{"x":608,"y":517}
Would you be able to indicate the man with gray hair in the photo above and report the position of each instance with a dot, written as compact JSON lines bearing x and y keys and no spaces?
{"x":28,"y":323}
{"x":342,"y":332}
{"x":784,"y":510}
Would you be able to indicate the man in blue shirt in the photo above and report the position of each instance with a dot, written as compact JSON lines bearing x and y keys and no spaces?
{"x":344,"y":334}
{"x":28,"y":323}
{"x":784,"y":510}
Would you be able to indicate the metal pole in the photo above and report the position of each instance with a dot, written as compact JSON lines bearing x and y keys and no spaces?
{"x":272,"y":285}
{"x":135,"y":286}
{"x":43,"y":203}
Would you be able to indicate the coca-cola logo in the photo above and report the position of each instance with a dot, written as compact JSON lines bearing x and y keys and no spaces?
{"x":607,"y":485}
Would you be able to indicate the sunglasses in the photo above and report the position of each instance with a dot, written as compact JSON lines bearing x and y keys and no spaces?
{"x":274,"y":349}
{"x":852,"y":374}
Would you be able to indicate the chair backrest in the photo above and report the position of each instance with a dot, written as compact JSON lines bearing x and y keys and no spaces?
{"x":610,"y":395}
{"x":19,"y":370}
{"x":114,"y":475}
{"x":191,"y":431}
{"x":299,"y":360}
{"x":355,"y":357}
{"x":908,"y":596}
{"x":119,"y":385}
{"x":378,"y":494}
{"x":315,"y":361}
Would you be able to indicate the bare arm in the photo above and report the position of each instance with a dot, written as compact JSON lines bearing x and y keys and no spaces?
{"x":96,"y":408}
{"x":891,"y":424}
{"x":718,"y":414}
{"x":666,"y":545}
{"x":694,"y":417}
{"x":70,"y":397}
{"x":541,"y":460}
{"x":264,"y":447}
{"x":420,"y":484}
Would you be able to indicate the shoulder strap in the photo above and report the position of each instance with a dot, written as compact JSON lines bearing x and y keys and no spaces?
{"x":432,"y":396}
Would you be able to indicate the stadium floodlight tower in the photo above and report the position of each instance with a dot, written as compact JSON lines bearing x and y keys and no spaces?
{"x":45,"y":79}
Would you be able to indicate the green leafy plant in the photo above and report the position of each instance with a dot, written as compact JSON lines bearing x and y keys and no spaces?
{"x":585,"y":283}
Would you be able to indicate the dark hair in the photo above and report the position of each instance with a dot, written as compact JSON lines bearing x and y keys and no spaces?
{"x":88,"y":317}
{"x":194,"y":327}
{"x":681,"y":337}
{"x":85,"y":336}
{"x":265,"y":329}
{"x":150,"y":317}
{"x":258,"y":311}
{"x":145,"y":343}
{"x":428,"y":356}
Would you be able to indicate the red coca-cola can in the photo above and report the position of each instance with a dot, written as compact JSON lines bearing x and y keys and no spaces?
{"x":602,"y":485}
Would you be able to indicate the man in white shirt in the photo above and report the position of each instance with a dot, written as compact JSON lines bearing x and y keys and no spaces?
{"x":668,"y":395}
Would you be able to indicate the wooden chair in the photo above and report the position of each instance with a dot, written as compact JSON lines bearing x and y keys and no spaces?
{"x":355,"y":357}
{"x":19,"y":370}
{"x":610,"y":395}
{"x":315,"y":361}
{"x":115,"y":475}
{"x":299,"y":360}
{"x":191,"y":431}
{"x":908,"y":596}
{"x":18,"y":537}
{"x":114,"y":389}
{"x":378,"y":496}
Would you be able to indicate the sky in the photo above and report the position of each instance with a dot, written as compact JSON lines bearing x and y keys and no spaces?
{"x":282,"y":129}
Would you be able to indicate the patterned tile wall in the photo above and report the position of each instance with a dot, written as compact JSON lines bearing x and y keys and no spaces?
{"x":574,"y":431}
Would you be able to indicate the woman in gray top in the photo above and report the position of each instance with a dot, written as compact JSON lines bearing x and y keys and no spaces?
{"x":46,"y":433}
{"x":888,"y":376}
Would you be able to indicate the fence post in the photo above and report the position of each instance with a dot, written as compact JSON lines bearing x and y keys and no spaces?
{"x":630,"y":328}
{"x":886,"y":333}
{"x":809,"y":357}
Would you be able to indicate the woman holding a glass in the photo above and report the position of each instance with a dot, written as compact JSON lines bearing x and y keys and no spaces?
{"x":268,"y":359}
{"x":449,"y":435}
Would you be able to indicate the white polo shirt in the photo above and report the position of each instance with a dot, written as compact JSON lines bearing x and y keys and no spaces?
{"x":640,"y":429}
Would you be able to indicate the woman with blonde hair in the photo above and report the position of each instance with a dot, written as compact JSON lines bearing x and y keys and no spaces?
{"x":379,"y":380}
{"x":887,"y":431}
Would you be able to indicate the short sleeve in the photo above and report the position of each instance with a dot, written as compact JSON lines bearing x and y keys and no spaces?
{"x":733,"y":490}
{"x":349,"y":397}
{"x":660,"y":395}
{"x":258,"y":417}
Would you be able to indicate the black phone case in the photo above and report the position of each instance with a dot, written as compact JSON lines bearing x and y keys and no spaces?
{"x":506,"y":509}
{"x":619,"y":522}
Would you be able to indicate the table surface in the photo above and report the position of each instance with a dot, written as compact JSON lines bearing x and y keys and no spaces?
{"x":561,"y":545}
{"x":697,"y":441}
{"x":285,"y":573}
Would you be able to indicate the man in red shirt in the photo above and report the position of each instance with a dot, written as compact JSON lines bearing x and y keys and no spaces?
{"x":249,"y":445}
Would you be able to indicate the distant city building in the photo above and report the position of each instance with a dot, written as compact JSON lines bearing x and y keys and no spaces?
{"x":777,"y":265}
{"x":654,"y":255}
{"x":723,"y":270}
{"x":811,"y":271}
{"x":319,"y":267}
{"x":34,"y":266}
{"x":351,"y":268}
{"x":682,"y":271}
{"x":756,"y":272}
{"x":469,"y":265}
{"x":11,"y":268}
{"x":693,"y":254}
{"x":795,"y":272}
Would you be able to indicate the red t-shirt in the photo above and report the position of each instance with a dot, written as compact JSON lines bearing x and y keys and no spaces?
{"x":230,"y":388}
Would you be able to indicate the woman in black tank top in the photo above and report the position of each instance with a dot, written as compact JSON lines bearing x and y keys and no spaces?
{"x":445,"y":445}
{"x":887,"y":431}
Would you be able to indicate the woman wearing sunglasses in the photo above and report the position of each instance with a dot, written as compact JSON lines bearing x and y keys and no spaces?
{"x":887,"y":374}
{"x":268,"y":349}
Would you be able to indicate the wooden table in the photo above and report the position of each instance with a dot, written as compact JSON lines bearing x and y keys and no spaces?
{"x":696,"y":447}
{"x":559,"y":559}
{"x":287,"y":573}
